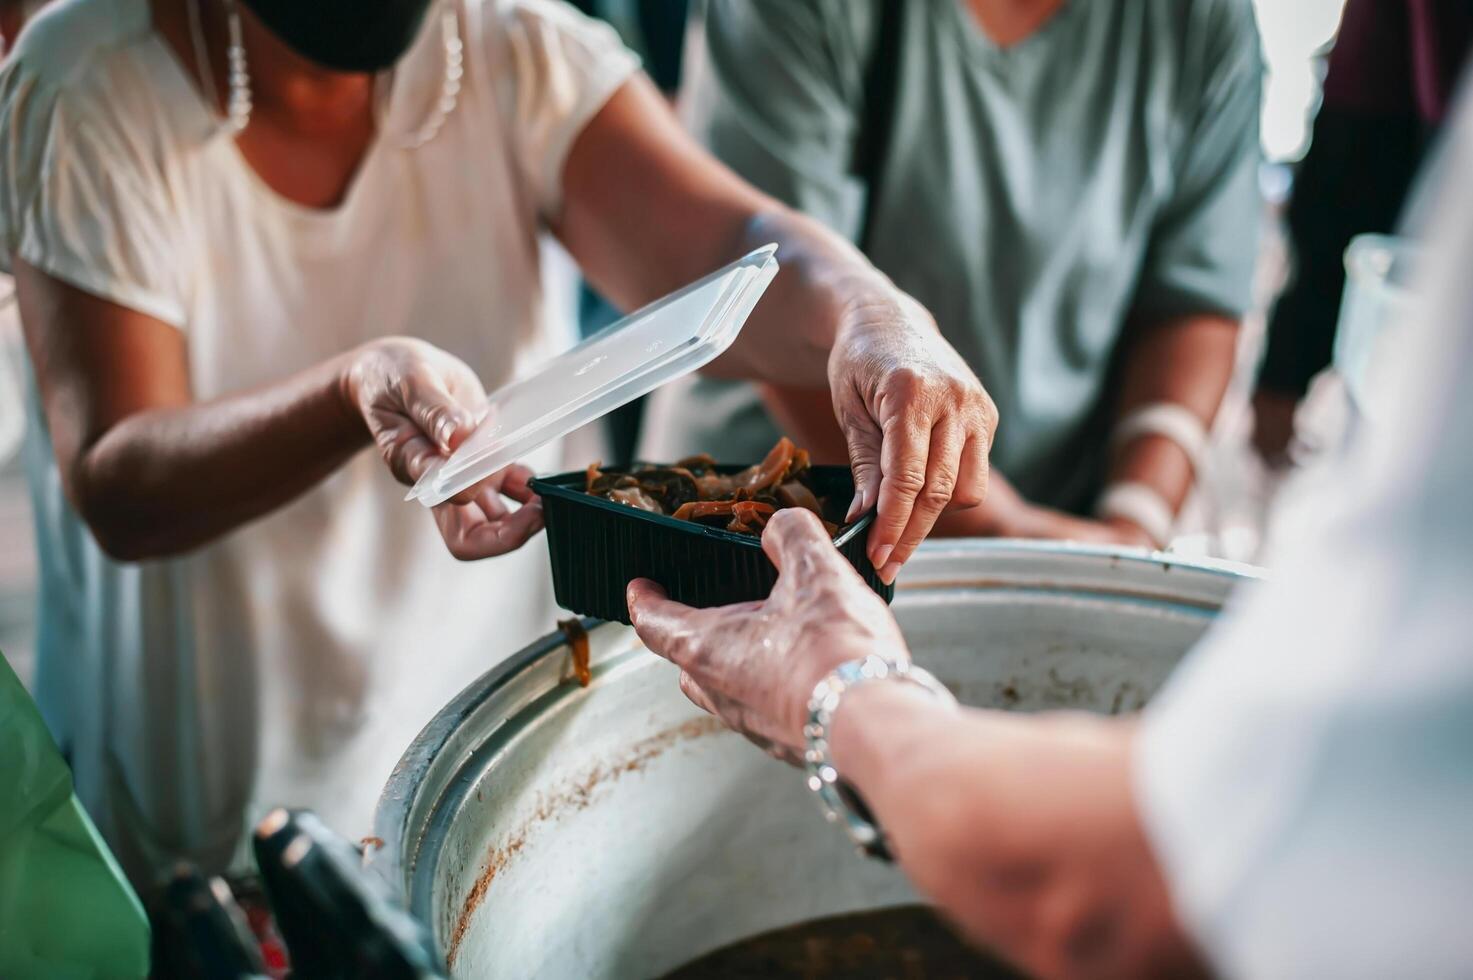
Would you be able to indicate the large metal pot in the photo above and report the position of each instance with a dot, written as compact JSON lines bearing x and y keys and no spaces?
{"x":544,"y":830}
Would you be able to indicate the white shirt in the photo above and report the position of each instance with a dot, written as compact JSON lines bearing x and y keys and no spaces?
{"x":1307,"y":778}
{"x":293,"y":660}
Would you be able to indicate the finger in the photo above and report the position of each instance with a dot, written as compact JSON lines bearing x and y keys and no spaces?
{"x":943,"y":461}
{"x":464,"y":384}
{"x":481,"y":538}
{"x":450,"y":520}
{"x":665,"y":627}
{"x":798,"y":545}
{"x":972,"y":475}
{"x":514,"y":483}
{"x":407,"y":452}
{"x":864,"y":441}
{"x":698,"y":697}
{"x":491,"y":503}
{"x":469,"y":536}
{"x":444,"y":420}
{"x":903,"y":459}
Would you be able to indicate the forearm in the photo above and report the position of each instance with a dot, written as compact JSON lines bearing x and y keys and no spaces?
{"x":807,"y":416}
{"x":675,"y":214}
{"x":1022,"y":829}
{"x":166,"y":480}
{"x":1188,"y":362}
{"x":825,"y":285}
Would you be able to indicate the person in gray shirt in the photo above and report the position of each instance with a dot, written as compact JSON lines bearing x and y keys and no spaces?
{"x":1069,"y":186}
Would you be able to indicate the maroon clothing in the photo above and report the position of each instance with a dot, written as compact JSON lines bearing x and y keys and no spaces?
{"x":1393,"y":75}
{"x":1399,"y":57}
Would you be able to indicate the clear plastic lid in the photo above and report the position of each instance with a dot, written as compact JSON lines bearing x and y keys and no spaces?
{"x":669,"y":338}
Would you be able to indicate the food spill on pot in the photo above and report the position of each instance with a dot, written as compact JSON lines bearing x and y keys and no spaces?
{"x":692,"y":489}
{"x":577,"y":649}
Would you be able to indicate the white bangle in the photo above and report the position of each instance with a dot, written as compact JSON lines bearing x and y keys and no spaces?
{"x":1140,"y":504}
{"x":1170,"y":420}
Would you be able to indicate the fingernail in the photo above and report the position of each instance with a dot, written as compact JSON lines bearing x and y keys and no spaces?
{"x":882,"y":555}
{"x":888,"y":573}
{"x":855,"y":506}
{"x":447,"y":429}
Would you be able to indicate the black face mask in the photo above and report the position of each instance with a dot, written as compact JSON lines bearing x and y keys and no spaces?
{"x":344,"y":35}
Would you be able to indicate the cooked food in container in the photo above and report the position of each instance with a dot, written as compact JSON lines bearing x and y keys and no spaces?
{"x":693,"y":489}
{"x":694,"y":526}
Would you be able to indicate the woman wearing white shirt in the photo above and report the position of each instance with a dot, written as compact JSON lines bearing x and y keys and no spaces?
{"x":225,"y":224}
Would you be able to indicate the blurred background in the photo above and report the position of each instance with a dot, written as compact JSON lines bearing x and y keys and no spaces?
{"x":1296,"y":39}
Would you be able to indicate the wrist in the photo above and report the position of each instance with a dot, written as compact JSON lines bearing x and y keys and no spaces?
{"x":349,"y":371}
{"x":821,"y":665}
{"x":838,"y":796}
{"x":1162,"y":445}
{"x":869,"y":727}
{"x":874,"y":303}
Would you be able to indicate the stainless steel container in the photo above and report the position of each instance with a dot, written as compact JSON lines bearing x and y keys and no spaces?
{"x":544,"y":830}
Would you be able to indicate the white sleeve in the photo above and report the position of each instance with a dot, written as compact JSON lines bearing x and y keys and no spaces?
{"x":1306,"y":779}
{"x":555,"y":70}
{"x":79,"y":200}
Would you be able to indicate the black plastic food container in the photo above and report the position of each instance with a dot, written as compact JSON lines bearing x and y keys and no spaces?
{"x":598,"y":546}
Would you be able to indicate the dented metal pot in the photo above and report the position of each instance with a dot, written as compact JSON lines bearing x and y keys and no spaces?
{"x":543,"y":829}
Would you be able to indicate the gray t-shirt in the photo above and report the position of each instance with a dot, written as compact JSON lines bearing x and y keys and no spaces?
{"x":1035,"y":198}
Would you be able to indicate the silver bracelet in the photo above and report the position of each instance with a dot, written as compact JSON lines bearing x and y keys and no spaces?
{"x":840,"y":803}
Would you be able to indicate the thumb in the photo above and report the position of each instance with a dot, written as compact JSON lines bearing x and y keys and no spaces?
{"x":443,"y":420}
{"x":659,"y":622}
{"x":796,"y":541}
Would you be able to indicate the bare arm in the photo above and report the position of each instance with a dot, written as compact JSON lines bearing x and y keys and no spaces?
{"x":1022,"y":829}
{"x":155,"y":473}
{"x":1186,"y":361}
{"x":646,"y":210}
{"x":150,"y":471}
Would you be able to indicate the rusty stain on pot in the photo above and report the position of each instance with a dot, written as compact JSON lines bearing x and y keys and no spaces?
{"x":575,"y":795}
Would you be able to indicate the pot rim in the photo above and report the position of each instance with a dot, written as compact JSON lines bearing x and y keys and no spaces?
{"x":1098,"y":572}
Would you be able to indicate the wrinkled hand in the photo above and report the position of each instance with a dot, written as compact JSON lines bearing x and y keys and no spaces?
{"x":917,"y":421}
{"x":755,"y":664}
{"x":419,"y":403}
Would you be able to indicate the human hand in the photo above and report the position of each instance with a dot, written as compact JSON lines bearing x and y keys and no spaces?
{"x":755,"y":664}
{"x":918,"y":424}
{"x":419,"y":403}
